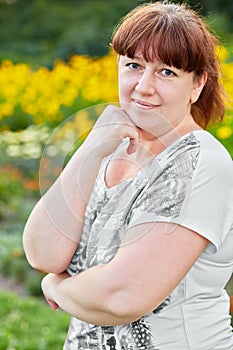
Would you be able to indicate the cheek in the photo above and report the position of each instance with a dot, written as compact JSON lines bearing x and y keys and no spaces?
{"x":186,"y":91}
{"x":125,"y":87}
{"x":180,"y":95}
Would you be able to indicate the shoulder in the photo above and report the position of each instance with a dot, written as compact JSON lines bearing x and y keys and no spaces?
{"x":210,"y":144}
{"x":214,"y":161}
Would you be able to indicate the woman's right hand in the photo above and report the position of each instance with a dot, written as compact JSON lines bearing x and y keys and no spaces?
{"x":112,"y":126}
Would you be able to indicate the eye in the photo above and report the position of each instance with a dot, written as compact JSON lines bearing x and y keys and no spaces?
{"x":167,"y":72}
{"x":133,"y":65}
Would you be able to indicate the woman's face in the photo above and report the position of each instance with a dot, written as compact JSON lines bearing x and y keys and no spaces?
{"x":156,"y":97}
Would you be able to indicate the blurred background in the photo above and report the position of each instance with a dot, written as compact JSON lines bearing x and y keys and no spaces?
{"x":40,"y":31}
{"x":56,"y":74}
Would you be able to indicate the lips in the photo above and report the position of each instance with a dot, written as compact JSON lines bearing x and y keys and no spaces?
{"x":144,"y":104}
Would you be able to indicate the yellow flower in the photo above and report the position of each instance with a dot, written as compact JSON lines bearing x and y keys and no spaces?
{"x":6,"y":109}
{"x":222,"y":53}
{"x":82,"y":123}
{"x":49,"y":95}
{"x":224,"y":132}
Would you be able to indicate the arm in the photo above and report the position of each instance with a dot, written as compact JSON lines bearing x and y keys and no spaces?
{"x":53,"y":230}
{"x":151,"y":265}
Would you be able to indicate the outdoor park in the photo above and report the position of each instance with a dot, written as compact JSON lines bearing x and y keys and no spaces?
{"x":57,"y":73}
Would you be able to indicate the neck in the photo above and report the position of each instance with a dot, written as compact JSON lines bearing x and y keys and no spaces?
{"x":156,"y":144}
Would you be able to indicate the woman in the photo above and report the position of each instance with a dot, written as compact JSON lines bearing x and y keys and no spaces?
{"x":144,"y":208}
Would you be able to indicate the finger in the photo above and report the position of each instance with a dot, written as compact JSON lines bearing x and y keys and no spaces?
{"x":132,"y":147}
{"x":51,"y":303}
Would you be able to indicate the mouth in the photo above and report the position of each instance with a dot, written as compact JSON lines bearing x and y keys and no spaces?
{"x":144,"y":104}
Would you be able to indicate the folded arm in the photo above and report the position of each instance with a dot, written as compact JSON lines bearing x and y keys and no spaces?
{"x":146,"y":269}
{"x":53,"y":230}
{"x":54,"y":227}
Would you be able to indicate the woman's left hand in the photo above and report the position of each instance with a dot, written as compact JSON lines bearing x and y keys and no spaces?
{"x":48,"y":283}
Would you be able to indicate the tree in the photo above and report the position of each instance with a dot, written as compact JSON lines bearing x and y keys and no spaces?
{"x":40,"y":31}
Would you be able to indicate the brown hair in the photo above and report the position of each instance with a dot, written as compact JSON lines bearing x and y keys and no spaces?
{"x":177,"y":36}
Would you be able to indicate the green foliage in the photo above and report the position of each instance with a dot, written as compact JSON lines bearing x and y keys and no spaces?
{"x":29,"y":324}
{"x":40,"y":31}
{"x":13,"y":262}
{"x":16,"y":197}
{"x":52,"y":29}
{"x":10,"y":191}
{"x":19,"y":164}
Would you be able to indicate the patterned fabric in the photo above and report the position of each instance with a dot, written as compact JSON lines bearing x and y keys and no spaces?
{"x":159,"y":188}
{"x":159,"y":192}
{"x":134,"y":336}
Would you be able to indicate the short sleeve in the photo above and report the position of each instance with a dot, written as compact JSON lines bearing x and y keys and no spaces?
{"x":194,"y":189}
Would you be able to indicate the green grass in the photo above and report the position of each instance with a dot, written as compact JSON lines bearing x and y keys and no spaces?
{"x":29,"y":324}
{"x":25,"y":323}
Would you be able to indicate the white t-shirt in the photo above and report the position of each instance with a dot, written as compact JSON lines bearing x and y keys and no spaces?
{"x":190,"y":183}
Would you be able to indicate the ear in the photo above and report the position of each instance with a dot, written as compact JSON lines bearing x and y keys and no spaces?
{"x":199,"y":83}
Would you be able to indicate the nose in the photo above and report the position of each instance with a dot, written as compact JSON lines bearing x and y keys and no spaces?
{"x":146,"y":84}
